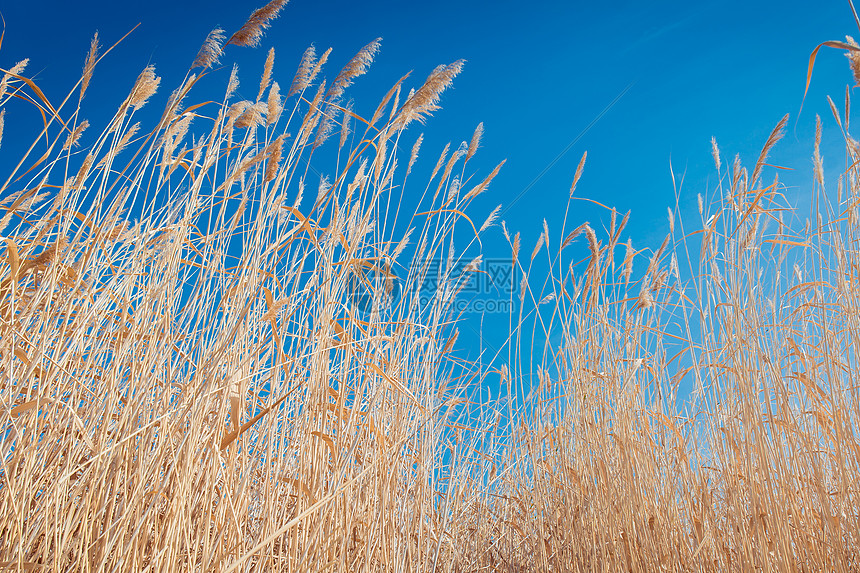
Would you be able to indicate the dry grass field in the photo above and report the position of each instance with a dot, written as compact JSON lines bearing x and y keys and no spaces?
{"x":186,"y":384}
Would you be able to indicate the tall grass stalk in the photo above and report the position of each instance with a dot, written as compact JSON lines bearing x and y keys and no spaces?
{"x":186,"y":382}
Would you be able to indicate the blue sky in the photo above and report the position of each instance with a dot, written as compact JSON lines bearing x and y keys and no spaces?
{"x":537,"y":74}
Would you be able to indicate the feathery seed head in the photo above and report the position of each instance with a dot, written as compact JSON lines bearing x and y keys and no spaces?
{"x":425,"y":100}
{"x":252,"y":115}
{"x":274,"y":107}
{"x":274,"y":158}
{"x":578,"y":173}
{"x":252,"y":30}
{"x":715,"y":152}
{"x":628,"y":261}
{"x":90,"y":64}
{"x":345,"y":125}
{"x":357,"y":66}
{"x":303,"y":75}
{"x":232,"y":83}
{"x":645,"y":299}
{"x":592,"y":241}
{"x":144,"y":87}
{"x":491,"y":219}
{"x":854,"y":59}
{"x":211,"y":51}
{"x":482,"y":186}
{"x":73,"y":137}
{"x":476,"y":141}
{"x":515,"y":249}
{"x":267,"y":73}
{"x":15,"y":71}
{"x":414,"y":155}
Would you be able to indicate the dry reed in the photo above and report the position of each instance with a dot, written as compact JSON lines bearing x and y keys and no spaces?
{"x":187,"y":382}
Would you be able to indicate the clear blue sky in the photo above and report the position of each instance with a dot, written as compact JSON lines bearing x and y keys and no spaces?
{"x":537,"y":74}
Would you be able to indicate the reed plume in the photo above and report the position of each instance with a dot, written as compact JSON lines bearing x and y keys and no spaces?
{"x":357,"y":66}
{"x":425,"y":100}
{"x":89,"y":65}
{"x":211,"y":51}
{"x":252,"y":30}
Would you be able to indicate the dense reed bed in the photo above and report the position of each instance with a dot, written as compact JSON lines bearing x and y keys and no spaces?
{"x":188,"y":383}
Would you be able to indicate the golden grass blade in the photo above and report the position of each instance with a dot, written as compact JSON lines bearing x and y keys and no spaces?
{"x":829,"y":44}
{"x":25,"y":565}
{"x":12,"y":257}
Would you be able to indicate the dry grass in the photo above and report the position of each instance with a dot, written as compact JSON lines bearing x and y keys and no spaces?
{"x":186,"y":385}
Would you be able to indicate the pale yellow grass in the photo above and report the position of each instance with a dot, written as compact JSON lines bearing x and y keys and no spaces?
{"x":154,"y":283}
